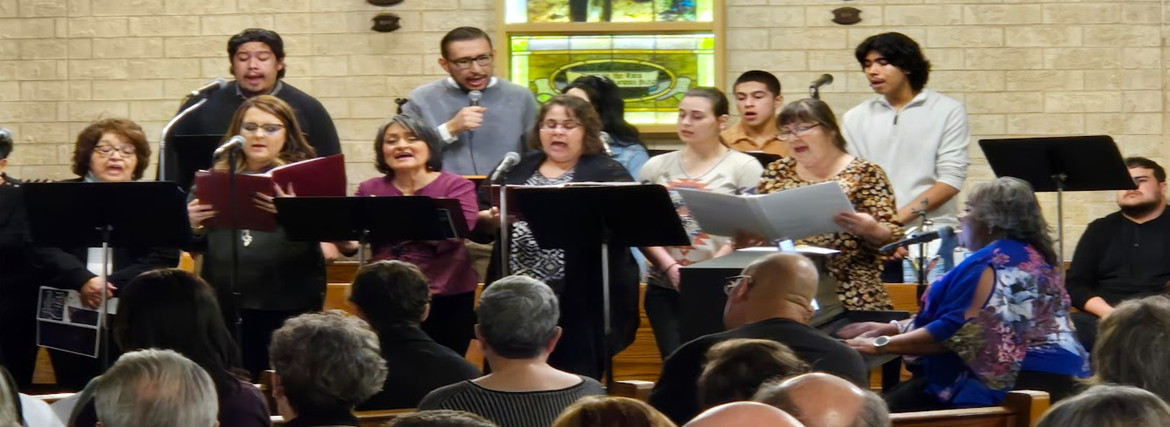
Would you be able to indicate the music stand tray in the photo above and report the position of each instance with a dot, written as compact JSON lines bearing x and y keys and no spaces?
{"x":1064,"y":163}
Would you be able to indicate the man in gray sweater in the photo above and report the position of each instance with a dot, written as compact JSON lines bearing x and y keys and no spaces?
{"x":477,"y":136}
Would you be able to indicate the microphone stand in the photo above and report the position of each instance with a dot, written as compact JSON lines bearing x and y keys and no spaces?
{"x":927,"y":224}
{"x":162,"y":140}
{"x":233,"y":208}
{"x":504,"y":234}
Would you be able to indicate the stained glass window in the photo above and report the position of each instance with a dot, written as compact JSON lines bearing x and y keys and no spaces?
{"x":524,"y":11}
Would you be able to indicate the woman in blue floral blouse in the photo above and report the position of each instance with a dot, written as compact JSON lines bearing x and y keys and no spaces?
{"x":997,"y":322}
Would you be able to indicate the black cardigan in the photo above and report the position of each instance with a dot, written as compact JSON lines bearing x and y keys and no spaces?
{"x":579,"y":350}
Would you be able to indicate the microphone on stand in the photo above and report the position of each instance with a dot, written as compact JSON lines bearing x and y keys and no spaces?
{"x":5,"y":135}
{"x":941,"y":233}
{"x":218,"y":83}
{"x":236,"y":143}
{"x":510,"y":161}
{"x":815,"y":86}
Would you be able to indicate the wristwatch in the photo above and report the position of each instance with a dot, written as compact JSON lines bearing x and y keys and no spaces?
{"x":880,"y":343}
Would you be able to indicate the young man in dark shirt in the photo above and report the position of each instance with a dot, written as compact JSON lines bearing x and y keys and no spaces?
{"x":771,"y":300}
{"x":257,"y":63}
{"x":1123,"y":255}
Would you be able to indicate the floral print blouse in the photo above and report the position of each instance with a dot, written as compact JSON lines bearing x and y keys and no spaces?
{"x":1023,"y":326}
{"x":858,"y":267}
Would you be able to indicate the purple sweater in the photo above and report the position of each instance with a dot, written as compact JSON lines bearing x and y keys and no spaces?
{"x":446,"y":264}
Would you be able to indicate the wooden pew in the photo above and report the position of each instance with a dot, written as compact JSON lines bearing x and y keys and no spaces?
{"x":1021,"y":408}
{"x":365,"y":418}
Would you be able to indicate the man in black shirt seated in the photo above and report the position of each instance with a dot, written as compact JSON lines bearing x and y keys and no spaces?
{"x":1124,"y":255}
{"x":256,"y":58}
{"x":393,"y":297}
{"x":771,"y":300}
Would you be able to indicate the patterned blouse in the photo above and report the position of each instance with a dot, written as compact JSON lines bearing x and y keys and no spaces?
{"x":858,"y":267}
{"x":528,"y":258}
{"x":1024,"y":326}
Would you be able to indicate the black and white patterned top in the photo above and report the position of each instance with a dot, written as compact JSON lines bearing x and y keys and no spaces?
{"x":510,"y":408}
{"x":527,"y":256}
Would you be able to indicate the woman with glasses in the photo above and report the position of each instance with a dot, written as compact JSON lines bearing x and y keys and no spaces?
{"x":998,"y":321}
{"x":277,"y":278}
{"x":566,"y":143}
{"x":817,"y":154}
{"x":704,"y":163}
{"x":108,"y":150}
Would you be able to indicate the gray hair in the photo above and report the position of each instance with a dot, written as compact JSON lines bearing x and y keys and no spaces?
{"x":1109,"y":406}
{"x":1009,"y":204}
{"x":518,"y":316}
{"x":873,"y":412}
{"x":10,"y":415}
{"x":155,"y":388}
{"x":327,"y":361}
{"x":440,"y":418}
{"x":1132,"y":344}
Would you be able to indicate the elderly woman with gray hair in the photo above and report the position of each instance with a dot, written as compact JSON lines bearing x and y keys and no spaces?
{"x":998,"y":321}
{"x":325,"y":365}
{"x":517,"y":330}
{"x":410,"y":155}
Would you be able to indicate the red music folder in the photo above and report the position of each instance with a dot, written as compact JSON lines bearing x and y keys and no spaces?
{"x":319,"y":177}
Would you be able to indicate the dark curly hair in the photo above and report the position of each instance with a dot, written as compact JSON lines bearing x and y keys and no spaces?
{"x":268,"y":37}
{"x":579,"y":110}
{"x":603,"y":94}
{"x":900,"y":51}
{"x":88,"y":139}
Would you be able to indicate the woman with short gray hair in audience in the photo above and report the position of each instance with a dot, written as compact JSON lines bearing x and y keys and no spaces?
{"x":1132,"y":346}
{"x":1109,"y":406}
{"x":517,"y":330}
{"x":326,"y":364}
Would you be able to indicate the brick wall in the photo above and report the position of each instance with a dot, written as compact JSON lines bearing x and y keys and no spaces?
{"x":1021,"y":67}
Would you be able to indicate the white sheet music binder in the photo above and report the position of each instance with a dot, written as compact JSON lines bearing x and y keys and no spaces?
{"x":790,"y":214}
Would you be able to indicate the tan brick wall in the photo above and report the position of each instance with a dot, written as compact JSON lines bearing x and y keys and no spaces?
{"x":1024,"y":67}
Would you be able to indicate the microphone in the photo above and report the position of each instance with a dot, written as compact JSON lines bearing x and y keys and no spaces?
{"x":218,"y":83}
{"x":510,"y":161}
{"x":941,"y":233}
{"x":237,"y":143}
{"x":473,"y":97}
{"x":5,"y":135}
{"x":823,"y":80}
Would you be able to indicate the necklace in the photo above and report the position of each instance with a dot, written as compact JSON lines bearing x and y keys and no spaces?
{"x":246,"y":237}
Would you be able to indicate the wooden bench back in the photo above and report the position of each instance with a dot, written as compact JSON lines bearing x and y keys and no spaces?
{"x":1021,"y":408}
{"x":365,"y":418}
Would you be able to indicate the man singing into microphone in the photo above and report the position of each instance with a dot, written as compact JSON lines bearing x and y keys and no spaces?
{"x":257,"y":62}
{"x":477,"y":132}
{"x":918,"y":136}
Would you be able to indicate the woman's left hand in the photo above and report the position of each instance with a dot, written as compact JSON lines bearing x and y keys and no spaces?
{"x":863,"y":345}
{"x":265,"y":202}
{"x":860,"y":224}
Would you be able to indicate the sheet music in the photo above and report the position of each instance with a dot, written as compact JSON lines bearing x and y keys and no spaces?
{"x":790,"y":214}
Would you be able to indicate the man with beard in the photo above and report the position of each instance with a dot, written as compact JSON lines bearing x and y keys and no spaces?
{"x":1123,"y":255}
{"x":477,"y":133}
{"x":757,"y":97}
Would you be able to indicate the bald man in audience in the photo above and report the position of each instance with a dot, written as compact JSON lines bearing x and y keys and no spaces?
{"x":823,"y":400}
{"x":742,"y":414}
{"x":773,"y":300}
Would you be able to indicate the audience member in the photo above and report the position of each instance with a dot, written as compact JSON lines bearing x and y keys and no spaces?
{"x":257,"y":63}
{"x":566,"y":148}
{"x":736,"y":368}
{"x":108,"y":150}
{"x":823,"y":400}
{"x":772,"y":300}
{"x":155,"y":388}
{"x":478,"y":133}
{"x":10,"y":408}
{"x":1109,"y":406}
{"x":998,"y":321}
{"x":620,"y":138}
{"x":757,"y":98}
{"x":410,"y":155}
{"x":1134,"y":345}
{"x":393,"y":297}
{"x":611,"y":411}
{"x":817,"y":150}
{"x":326,"y":364}
{"x":1123,"y":255}
{"x":440,"y":418}
{"x":20,"y":280}
{"x":740,"y":414}
{"x":705,"y":164}
{"x":517,"y":330}
{"x":175,"y":310}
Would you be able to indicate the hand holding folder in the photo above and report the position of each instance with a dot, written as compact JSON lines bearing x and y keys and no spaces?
{"x":319,"y":177}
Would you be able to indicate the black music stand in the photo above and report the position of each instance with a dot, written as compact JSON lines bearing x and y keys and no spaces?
{"x":586,"y":221}
{"x":1065,"y":163}
{"x":192,"y":153}
{"x":370,"y":219}
{"x":125,"y":214}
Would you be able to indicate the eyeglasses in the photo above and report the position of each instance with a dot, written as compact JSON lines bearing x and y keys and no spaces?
{"x":126,"y":151}
{"x":269,"y":129}
{"x":465,"y":63}
{"x":567,"y":125}
{"x":789,"y":133}
{"x":734,"y":281}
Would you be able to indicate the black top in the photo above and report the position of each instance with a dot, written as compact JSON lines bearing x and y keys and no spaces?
{"x":423,"y":366}
{"x":274,"y":273}
{"x":16,"y":266}
{"x":1118,"y":259}
{"x":676,"y":393}
{"x":215,"y":117}
{"x":510,"y":409}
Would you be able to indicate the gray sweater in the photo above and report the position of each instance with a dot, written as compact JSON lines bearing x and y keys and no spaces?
{"x":511,"y":112}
